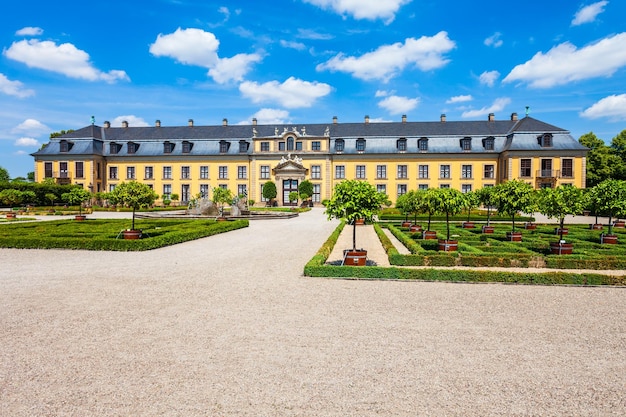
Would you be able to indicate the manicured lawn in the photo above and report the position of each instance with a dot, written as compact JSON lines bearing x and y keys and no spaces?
{"x":104,"y":234}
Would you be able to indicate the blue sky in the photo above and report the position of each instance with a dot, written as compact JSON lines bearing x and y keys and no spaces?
{"x":305,"y":61}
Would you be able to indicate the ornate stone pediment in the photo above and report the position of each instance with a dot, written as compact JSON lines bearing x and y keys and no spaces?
{"x":290,"y":167}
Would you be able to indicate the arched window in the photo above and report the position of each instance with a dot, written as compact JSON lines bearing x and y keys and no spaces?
{"x":290,"y":144}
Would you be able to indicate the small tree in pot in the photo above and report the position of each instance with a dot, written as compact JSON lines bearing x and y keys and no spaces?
{"x":471,"y":202}
{"x":221,"y":197}
{"x":77,"y":196}
{"x":354,"y":200}
{"x":269,"y":191}
{"x":557,"y":203}
{"x":135,"y":195}
{"x":609,"y":197}
{"x":486,"y":198}
{"x":305,"y":188}
{"x":513,"y":197}
{"x":449,"y":201}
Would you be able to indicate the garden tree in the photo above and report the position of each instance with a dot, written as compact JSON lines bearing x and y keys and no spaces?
{"x":4,"y":175}
{"x":31,"y":176}
{"x":471,"y":202}
{"x":77,"y":196}
{"x":269,"y":191}
{"x":352,"y":200}
{"x":602,"y":163}
{"x":222,"y":196}
{"x":618,"y":147}
{"x":449,"y":201}
{"x":513,"y":197}
{"x":29,"y":197}
{"x":402,"y":204}
{"x":305,"y":188}
{"x":174,"y":197}
{"x":60,"y":133}
{"x":561,"y":201}
{"x":51,"y":197}
{"x":427,"y":203}
{"x":11,"y":197}
{"x":486,"y":198}
{"x":610,"y":199}
{"x":133,"y":194}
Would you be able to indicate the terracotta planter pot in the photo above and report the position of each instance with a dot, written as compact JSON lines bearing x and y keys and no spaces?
{"x":359,"y":222}
{"x":415,"y":228}
{"x":608,"y":239}
{"x":557,"y":231}
{"x":354,"y":257}
{"x":596,"y":226}
{"x":221,"y":219}
{"x":619,"y":224}
{"x":514,"y":236}
{"x":80,"y":218}
{"x":448,"y":245}
{"x":427,"y":235}
{"x":132,"y":234}
{"x":468,"y":225}
{"x":11,"y":215}
{"x":406,"y":224}
{"x":530,"y":226}
{"x":558,"y":248}
{"x":488,"y":229}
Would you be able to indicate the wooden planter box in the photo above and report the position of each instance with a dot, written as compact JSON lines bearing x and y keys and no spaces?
{"x":429,"y":234}
{"x":132,"y":234}
{"x":354,"y":257}
{"x":488,"y":229}
{"x":596,"y":226}
{"x":608,"y":239}
{"x":557,"y":231}
{"x":558,"y":248}
{"x":514,"y":236}
{"x":530,"y":226}
{"x":448,"y":245}
{"x":468,"y":225}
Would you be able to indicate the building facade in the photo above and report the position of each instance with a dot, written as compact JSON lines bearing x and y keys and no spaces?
{"x":395,"y":157}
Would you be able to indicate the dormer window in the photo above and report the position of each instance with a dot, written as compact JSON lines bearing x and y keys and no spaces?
{"x":466,"y":144}
{"x":339,"y":145}
{"x":545,"y":140}
{"x":187,"y":146}
{"x":65,"y":146}
{"x":360,"y":145}
{"x":224,"y":146}
{"x":132,"y":147}
{"x":114,"y":148}
{"x":168,"y":147}
{"x":401,"y":145}
{"x":422,"y":144}
{"x":488,"y":143}
{"x":243,"y":146}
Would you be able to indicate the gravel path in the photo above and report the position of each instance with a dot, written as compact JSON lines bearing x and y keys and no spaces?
{"x":227,"y":326}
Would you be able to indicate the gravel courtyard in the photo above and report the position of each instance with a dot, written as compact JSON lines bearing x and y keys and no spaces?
{"x":228,"y":326}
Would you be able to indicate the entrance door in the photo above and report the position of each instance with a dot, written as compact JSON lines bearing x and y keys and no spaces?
{"x":289,"y":186}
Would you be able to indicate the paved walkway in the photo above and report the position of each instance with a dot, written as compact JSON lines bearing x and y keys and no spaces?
{"x":228,"y":326}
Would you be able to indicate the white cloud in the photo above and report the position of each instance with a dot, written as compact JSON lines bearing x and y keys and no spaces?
{"x":27,"y":142}
{"x":397,"y":105}
{"x":199,"y":48}
{"x":564,"y":63}
{"x":612,"y":107}
{"x":489,"y":78}
{"x":363,"y":9}
{"x":459,"y":99}
{"x":298,"y":46}
{"x":425,"y":53}
{"x":383,"y":93}
{"x":224,"y":10}
{"x":64,"y":59}
{"x":29,"y":31}
{"x":498,"y":105}
{"x":268,"y":116}
{"x":133,"y":121}
{"x":292,"y":93}
{"x":31,"y":127}
{"x":311,"y":34}
{"x":588,"y":13}
{"x":14,"y":88}
{"x":494,"y":40}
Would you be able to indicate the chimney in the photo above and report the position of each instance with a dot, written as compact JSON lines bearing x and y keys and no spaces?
{"x":367,"y":120}
{"x":334,"y":120}
{"x":190,"y":123}
{"x":124,"y":124}
{"x":514,"y":117}
{"x":404,"y":118}
{"x":491,"y":117}
{"x":254,"y":121}
{"x":157,"y":123}
{"x":107,"y":124}
{"x":225,"y":122}
{"x":442,"y":118}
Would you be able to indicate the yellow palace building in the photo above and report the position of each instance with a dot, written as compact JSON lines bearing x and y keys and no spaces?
{"x":395,"y":156}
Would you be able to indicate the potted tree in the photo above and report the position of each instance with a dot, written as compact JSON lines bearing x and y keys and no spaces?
{"x":449,"y":201}
{"x":354,"y":200}
{"x":427,"y":204}
{"x":471,"y":202}
{"x":135,"y":195}
{"x":511,"y":198}
{"x":414,"y":201}
{"x":269,"y":193}
{"x":557,"y":203}
{"x":486,"y":198}
{"x":305,"y":188}
{"x":221,"y":197}
{"x":293,"y":197}
{"x":610,"y":198}
{"x":402,"y":204}
{"x":175,"y":197}
{"x":77,"y":196}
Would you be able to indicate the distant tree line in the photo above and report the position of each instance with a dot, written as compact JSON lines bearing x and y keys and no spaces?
{"x":605,"y":161}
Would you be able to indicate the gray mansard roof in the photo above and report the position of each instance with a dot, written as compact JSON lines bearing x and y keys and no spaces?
{"x":443,"y":137}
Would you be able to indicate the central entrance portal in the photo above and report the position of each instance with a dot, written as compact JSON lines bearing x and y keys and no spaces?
{"x":288,"y":187}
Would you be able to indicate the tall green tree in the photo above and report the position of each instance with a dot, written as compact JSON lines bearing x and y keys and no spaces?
{"x":562,"y":201}
{"x":618,"y":146}
{"x":609,"y":197}
{"x":514,"y":197}
{"x":602,"y":161}
{"x":4,"y":175}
